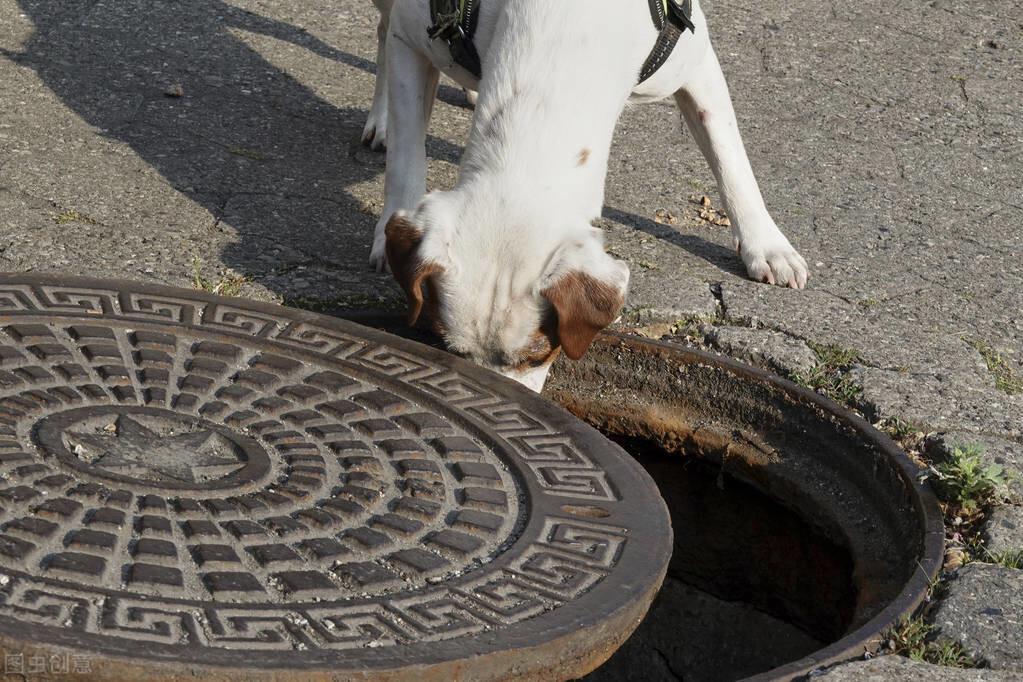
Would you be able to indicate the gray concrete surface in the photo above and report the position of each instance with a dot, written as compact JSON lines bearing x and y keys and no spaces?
{"x":983,"y":611}
{"x":140,"y":138}
{"x":777,"y":351}
{"x":899,"y":669}
{"x":1004,"y":532}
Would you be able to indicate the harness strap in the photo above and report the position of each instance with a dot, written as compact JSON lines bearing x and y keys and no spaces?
{"x":454,"y":22}
{"x":672,"y":18}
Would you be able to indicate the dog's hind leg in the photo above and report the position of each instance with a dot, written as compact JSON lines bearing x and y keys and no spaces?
{"x":707,"y":109}
{"x":374,"y":135}
{"x":412,"y":88}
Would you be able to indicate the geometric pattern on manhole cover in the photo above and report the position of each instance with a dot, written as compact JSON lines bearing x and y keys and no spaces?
{"x":205,"y":475}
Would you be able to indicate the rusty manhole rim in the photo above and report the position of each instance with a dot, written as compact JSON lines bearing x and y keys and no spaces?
{"x":867,"y":638}
{"x":586,"y":641}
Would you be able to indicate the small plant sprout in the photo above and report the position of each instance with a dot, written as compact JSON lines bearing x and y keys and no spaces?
{"x":229,"y":284}
{"x":830,"y":376}
{"x":965,"y":481}
{"x":914,"y":638}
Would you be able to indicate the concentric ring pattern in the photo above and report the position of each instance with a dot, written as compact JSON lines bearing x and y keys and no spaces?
{"x":208,"y":475}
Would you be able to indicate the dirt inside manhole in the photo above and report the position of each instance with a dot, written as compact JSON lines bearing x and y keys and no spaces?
{"x":750,"y":586}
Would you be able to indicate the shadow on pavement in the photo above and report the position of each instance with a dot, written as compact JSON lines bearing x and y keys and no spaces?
{"x":263,"y":153}
{"x":715,"y":254}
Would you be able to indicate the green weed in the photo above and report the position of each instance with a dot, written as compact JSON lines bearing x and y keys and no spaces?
{"x":968,"y":484}
{"x":72,"y":216}
{"x":913,"y":637}
{"x":229,"y":284}
{"x":830,"y":376}
{"x":1006,"y":380}
{"x":1011,"y":559}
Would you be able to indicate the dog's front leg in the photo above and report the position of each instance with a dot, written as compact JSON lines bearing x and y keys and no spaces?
{"x":374,"y":135}
{"x":412,"y":87}
{"x":707,"y":108}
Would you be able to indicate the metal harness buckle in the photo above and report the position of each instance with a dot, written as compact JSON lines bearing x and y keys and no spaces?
{"x":683,"y":11}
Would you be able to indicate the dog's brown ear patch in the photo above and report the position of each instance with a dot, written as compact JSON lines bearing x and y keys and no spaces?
{"x":403,"y":240}
{"x":585,"y":305}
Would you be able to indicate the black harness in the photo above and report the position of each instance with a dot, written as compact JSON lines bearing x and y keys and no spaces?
{"x":454,"y":22}
{"x":672,"y":18}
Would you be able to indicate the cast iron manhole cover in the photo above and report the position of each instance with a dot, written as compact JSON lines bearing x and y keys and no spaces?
{"x":190,"y":482}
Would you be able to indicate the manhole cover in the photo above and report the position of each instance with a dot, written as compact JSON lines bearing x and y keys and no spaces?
{"x":229,"y":488}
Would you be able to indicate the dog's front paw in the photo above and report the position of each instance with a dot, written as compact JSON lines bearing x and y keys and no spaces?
{"x":374,"y":134}
{"x":774,"y":261}
{"x":378,"y":254}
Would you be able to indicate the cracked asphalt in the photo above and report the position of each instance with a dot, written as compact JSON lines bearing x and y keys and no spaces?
{"x":149,"y":140}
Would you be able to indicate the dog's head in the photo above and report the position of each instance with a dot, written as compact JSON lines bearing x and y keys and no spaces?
{"x":508,"y":299}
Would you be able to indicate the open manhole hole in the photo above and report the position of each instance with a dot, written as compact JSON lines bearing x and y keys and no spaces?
{"x":194,"y":486}
{"x":801,"y":533}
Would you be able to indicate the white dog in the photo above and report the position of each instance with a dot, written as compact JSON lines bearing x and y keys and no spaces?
{"x":507,"y":264}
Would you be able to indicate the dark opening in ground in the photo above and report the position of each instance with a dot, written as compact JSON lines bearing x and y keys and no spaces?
{"x":751,"y":585}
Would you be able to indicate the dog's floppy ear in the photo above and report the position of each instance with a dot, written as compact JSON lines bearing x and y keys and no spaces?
{"x":403,"y":241}
{"x":587,"y":292}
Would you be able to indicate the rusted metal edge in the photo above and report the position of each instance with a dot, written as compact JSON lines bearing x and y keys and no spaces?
{"x":868,"y":637}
